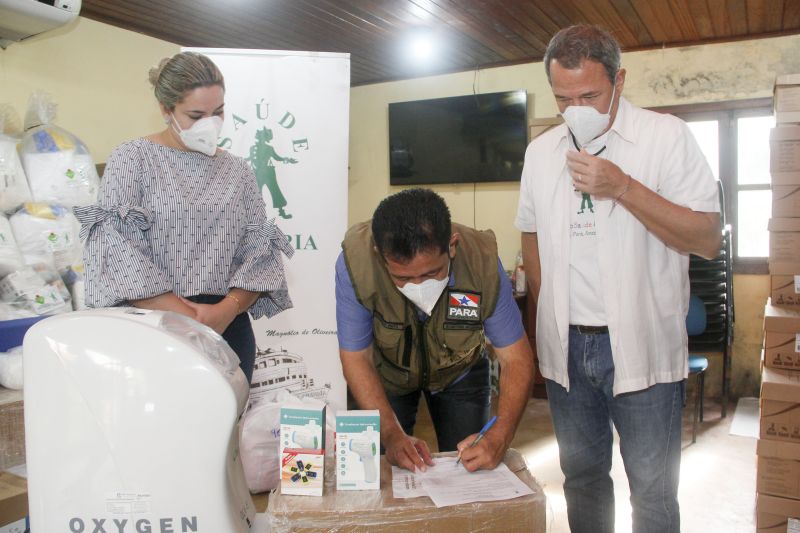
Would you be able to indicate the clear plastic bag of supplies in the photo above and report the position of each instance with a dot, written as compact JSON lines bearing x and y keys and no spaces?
{"x":10,"y":257}
{"x":58,"y":165}
{"x":11,"y":368}
{"x":259,"y":445}
{"x":13,"y":312}
{"x":49,"y":234}
{"x":26,"y":290}
{"x":14,"y":189}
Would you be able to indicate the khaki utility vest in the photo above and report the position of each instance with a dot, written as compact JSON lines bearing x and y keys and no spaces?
{"x":410,"y":354}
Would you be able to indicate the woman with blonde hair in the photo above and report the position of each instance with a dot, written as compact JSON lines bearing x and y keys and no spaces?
{"x":180,"y":225}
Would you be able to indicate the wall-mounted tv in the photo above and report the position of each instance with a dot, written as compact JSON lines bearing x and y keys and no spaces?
{"x":459,"y":139}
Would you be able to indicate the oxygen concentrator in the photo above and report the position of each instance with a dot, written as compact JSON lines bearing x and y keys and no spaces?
{"x":131,"y":425}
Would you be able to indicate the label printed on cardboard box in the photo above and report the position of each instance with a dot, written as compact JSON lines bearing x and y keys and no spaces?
{"x":128,"y":503}
{"x":797,"y":342}
{"x":797,"y":284}
{"x":20,"y":526}
{"x":793,"y":525}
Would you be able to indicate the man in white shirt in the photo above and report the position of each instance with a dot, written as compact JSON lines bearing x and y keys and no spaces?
{"x":611,"y":205}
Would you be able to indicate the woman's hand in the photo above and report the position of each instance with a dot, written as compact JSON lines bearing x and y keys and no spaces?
{"x":217,"y":316}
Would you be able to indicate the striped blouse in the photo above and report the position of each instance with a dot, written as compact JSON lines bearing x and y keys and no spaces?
{"x":170,"y":220}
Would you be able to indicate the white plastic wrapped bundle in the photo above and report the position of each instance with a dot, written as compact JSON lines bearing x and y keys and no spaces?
{"x":25,"y":289}
{"x":11,"y":368}
{"x":47,"y":233}
{"x":9,"y":311}
{"x":10,"y":258}
{"x":58,"y":165}
{"x":13,"y":185}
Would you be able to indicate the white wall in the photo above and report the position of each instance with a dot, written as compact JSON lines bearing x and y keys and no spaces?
{"x":719,"y":72}
{"x":98,"y":76}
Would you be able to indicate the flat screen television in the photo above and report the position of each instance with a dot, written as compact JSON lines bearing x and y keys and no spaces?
{"x":458,"y":139}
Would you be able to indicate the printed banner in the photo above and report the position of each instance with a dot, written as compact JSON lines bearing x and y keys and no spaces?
{"x":287,"y":113}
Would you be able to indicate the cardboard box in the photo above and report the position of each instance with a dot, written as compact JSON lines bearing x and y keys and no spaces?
{"x":773,"y":513}
{"x":781,"y":336}
{"x":784,"y":149}
{"x":780,"y":405}
{"x":784,"y":240}
{"x":303,"y":425}
{"x":785,"y":200}
{"x":358,"y":450}
{"x":379,"y":512}
{"x":20,"y":526}
{"x":302,"y":472}
{"x":12,"y":429}
{"x":786,"y":98}
{"x":13,"y":499}
{"x":778,"y":469}
{"x":784,"y":283}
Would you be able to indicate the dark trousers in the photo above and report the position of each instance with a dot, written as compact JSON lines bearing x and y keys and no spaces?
{"x":458,"y":411}
{"x":239,"y":335}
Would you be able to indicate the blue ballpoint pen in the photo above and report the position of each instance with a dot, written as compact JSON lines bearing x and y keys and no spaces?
{"x":482,"y":432}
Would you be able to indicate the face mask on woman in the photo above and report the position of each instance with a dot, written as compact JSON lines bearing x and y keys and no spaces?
{"x":202,"y":135}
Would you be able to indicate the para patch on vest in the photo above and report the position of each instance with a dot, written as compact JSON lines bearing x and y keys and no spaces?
{"x":464,"y":306}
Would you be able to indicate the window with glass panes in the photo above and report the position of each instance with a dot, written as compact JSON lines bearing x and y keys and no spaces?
{"x":734,"y":137}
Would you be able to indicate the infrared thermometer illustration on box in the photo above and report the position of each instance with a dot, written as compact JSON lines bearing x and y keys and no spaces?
{"x":364,"y":447}
{"x":307,"y":436}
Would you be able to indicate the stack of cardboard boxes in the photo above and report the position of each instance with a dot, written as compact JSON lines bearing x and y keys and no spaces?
{"x":778,"y":479}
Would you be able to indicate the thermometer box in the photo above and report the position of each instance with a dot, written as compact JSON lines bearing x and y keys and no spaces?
{"x":302,"y":425}
{"x":358,"y":450}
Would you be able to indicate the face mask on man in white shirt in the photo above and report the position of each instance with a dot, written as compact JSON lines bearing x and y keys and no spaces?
{"x":586,"y":123}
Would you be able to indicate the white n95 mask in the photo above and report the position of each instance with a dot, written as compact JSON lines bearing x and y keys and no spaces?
{"x":425,"y":295}
{"x":202,"y":135}
{"x":586,"y":122}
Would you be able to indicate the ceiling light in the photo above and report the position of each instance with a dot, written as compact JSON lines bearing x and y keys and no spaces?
{"x":422,"y":47}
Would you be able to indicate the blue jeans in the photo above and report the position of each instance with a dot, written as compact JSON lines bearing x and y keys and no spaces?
{"x":458,"y":411}
{"x":649,"y":426}
{"x":239,"y":335}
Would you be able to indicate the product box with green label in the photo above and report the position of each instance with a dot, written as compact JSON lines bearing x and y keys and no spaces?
{"x":303,"y":425}
{"x":358,"y":450}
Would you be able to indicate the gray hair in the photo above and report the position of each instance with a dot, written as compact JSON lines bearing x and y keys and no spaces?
{"x":177,"y":75}
{"x":572,"y":45}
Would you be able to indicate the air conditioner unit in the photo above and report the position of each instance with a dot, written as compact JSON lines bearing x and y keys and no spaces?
{"x":20,"y":19}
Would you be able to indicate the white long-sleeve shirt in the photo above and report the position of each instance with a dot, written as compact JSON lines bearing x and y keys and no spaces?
{"x":644,"y":283}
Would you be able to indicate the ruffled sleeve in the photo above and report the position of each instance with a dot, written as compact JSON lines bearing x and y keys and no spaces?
{"x":116,"y":253}
{"x":258,"y":262}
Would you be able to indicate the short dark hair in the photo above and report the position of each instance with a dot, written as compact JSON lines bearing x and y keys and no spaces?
{"x":572,"y":45}
{"x":410,"y":222}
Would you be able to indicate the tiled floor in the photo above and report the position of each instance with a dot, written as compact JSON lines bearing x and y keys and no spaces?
{"x":717,"y":490}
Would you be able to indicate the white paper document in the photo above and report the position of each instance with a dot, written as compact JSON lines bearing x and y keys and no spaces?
{"x":448,"y":484}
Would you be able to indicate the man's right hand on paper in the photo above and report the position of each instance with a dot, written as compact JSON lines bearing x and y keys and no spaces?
{"x":408,"y":452}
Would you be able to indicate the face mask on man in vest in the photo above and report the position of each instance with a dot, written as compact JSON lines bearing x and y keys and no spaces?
{"x":425,"y":295}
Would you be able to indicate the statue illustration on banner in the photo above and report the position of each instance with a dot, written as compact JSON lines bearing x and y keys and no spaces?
{"x":261,"y":158}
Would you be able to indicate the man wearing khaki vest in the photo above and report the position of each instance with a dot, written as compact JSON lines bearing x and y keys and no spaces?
{"x":416,"y":298}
